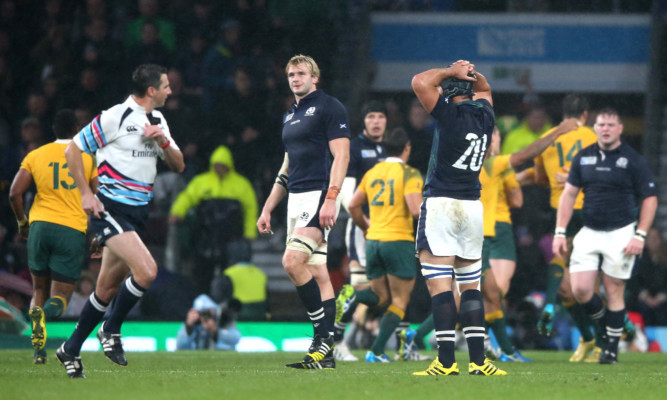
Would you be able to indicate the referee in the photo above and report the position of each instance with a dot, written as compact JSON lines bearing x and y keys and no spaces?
{"x":618,"y":187}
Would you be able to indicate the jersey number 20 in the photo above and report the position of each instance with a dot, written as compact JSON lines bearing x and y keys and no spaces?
{"x":475,"y":151}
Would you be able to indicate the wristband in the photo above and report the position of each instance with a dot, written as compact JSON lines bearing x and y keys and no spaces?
{"x":164,"y":146}
{"x":332,"y":193}
{"x":23,"y":221}
{"x":640,"y":235}
{"x":559,"y":232}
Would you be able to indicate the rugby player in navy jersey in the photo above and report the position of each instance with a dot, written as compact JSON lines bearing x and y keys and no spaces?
{"x":315,"y":127}
{"x":618,"y":188}
{"x":366,"y":150}
{"x":450,"y":231}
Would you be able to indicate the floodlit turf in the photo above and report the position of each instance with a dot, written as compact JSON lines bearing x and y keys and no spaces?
{"x":227,"y":375}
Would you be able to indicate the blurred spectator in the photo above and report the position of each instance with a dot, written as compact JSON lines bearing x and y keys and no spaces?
{"x":52,"y":55}
{"x":202,"y":16}
{"x":96,"y":49}
{"x":244,"y":281}
{"x":31,"y":138}
{"x":149,"y":10}
{"x":83,"y":289}
{"x":190,"y":61}
{"x":210,"y":326}
{"x":150,"y":49}
{"x":395,"y":117}
{"x":90,"y":92}
{"x":420,"y":128}
{"x":226,"y":211}
{"x":647,"y":289}
{"x":219,"y":62}
{"x":183,"y":112}
{"x":236,"y":112}
{"x":533,"y":126}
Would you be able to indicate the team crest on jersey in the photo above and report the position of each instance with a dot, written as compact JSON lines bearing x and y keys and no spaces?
{"x":309,"y":112}
{"x":289,"y":117}
{"x":589,"y":160}
{"x":304,"y":216}
{"x":622,"y":162}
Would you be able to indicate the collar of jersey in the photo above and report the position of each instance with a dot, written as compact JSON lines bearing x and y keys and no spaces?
{"x":393,"y":159}
{"x":133,"y":104}
{"x":313,"y":95}
{"x":471,"y":102}
{"x":62,"y":141}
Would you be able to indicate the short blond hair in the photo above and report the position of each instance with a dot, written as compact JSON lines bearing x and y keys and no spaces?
{"x":301,"y":59}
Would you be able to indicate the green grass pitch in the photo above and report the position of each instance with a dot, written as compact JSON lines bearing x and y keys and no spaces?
{"x":229,"y":375}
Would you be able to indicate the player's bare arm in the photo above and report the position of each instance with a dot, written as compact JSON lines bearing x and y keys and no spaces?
{"x":414,"y":202}
{"x":563,"y":216}
{"x":538,"y":146}
{"x":278,"y":191}
{"x":646,"y":215}
{"x":358,"y":200}
{"x":426,"y":84}
{"x":514,"y":197}
{"x":91,"y":205}
{"x":173,"y":157}
{"x":481,"y":88}
{"x":20,"y":184}
{"x":340,"y":148}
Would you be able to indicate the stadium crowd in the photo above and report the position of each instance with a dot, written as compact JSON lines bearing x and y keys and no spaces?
{"x":226,"y":71}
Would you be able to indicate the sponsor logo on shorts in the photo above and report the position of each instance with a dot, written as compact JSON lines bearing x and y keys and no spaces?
{"x":304,"y":216}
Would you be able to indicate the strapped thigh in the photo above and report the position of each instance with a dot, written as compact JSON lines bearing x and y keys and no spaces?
{"x":434,"y":271}
{"x":319,"y":256}
{"x":470,"y":274}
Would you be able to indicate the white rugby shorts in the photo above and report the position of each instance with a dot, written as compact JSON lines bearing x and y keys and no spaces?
{"x":451,"y":227}
{"x":303,"y":210}
{"x":590,"y":244}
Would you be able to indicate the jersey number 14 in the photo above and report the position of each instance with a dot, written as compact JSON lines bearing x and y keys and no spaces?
{"x":475,"y":152}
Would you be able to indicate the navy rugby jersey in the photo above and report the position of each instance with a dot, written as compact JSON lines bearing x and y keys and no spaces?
{"x":364,"y":154}
{"x":460,"y":142}
{"x":307,"y":129}
{"x":613,"y":183}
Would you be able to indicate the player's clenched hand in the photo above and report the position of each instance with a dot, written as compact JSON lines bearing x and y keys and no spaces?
{"x":155,"y":132}
{"x":264,"y":224}
{"x":461,"y":69}
{"x":559,"y":246}
{"x":92,"y":206}
{"x":328,"y":214}
{"x":634,"y":248}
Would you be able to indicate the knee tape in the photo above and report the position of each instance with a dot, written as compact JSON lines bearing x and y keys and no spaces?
{"x":301,"y":243}
{"x":470,"y":274}
{"x":319,"y":256}
{"x":358,"y":276}
{"x":433,"y":271}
